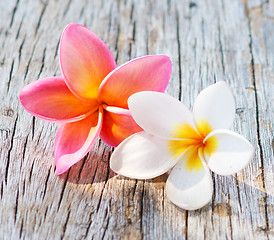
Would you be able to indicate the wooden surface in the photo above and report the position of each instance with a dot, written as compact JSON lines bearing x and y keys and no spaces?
{"x":207,"y":41}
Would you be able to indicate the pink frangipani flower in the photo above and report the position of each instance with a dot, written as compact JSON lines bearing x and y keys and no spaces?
{"x":187,"y":143}
{"x":90,"y":99}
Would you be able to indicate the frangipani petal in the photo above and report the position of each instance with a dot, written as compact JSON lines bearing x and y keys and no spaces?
{"x":74,"y":140}
{"x":117,"y":127}
{"x":51,"y":100}
{"x":214,"y":108}
{"x":161,"y":115}
{"x":142,"y":156}
{"x":149,"y":73}
{"x":189,"y":189}
{"x":85,"y":60}
{"x":233,"y":152}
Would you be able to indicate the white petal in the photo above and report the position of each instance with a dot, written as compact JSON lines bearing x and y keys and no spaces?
{"x":214,"y":106}
{"x":142,"y":156}
{"x":233,"y":152}
{"x":158,"y":113}
{"x":188,"y":189}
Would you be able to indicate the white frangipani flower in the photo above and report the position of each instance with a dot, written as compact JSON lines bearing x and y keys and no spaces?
{"x":188,"y":143}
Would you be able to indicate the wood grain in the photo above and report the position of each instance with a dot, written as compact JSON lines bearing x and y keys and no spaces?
{"x":207,"y":41}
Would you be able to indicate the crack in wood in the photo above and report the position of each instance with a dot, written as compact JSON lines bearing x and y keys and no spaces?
{"x":203,"y":32}
{"x":40,"y":17}
{"x":67,"y":8}
{"x":65,"y":225}
{"x":213,"y":198}
{"x":46,"y":211}
{"x":116,"y":43}
{"x":132,"y":40}
{"x":221,"y":46}
{"x":19,"y":29}
{"x":215,"y":78}
{"x":10,"y":75}
{"x":95,"y":172}
{"x":82,"y":10}
{"x":46,"y":183}
{"x":204,"y":232}
{"x":106,"y":218}
{"x":164,"y":24}
{"x":134,"y":188}
{"x":33,"y":129}
{"x":24,"y":187}
{"x":16,"y":206}
{"x":163,"y":209}
{"x":110,"y":18}
{"x":147,"y":40}
{"x":186,"y":224}
{"x":131,"y":12}
{"x":13,"y":13}
{"x":43,"y":63}
{"x":31,"y":170}
{"x":179,"y":54}
{"x":102,"y":191}
{"x":3,"y":61}
{"x":238,"y":191}
{"x":81,"y":168}
{"x":24,"y":151}
{"x":62,"y":191}
{"x":1,"y":190}
{"x":10,"y":149}
{"x":21,"y":229}
{"x":195,"y":50}
{"x":30,"y":59}
{"x":57,"y":48}
{"x":258,"y":123}
{"x":230,"y":214}
{"x":20,"y":49}
{"x":141,"y":210}
{"x":89,"y":224}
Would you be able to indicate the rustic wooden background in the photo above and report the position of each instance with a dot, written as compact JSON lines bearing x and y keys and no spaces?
{"x":207,"y":41}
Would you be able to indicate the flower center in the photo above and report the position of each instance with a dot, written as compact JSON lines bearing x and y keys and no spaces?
{"x":191,"y":143}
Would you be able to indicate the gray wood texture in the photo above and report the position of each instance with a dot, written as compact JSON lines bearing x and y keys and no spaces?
{"x":207,"y":41}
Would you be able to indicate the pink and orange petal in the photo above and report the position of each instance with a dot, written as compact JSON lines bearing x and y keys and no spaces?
{"x":85,"y":60}
{"x":149,"y":73}
{"x":51,"y":100}
{"x":74,"y":140}
{"x":117,"y":127}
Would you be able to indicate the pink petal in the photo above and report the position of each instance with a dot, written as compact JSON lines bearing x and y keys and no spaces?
{"x":50,"y":99}
{"x":85,"y":60}
{"x":117,"y":127}
{"x":141,"y":74}
{"x":74,"y":140}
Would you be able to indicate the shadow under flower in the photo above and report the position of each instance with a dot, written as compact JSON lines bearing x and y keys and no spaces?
{"x":143,"y":207}
{"x":93,"y":168}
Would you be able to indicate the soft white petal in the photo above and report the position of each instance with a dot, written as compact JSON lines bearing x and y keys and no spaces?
{"x":214,"y":105}
{"x":142,"y":156}
{"x":233,"y":152}
{"x":188,"y":189}
{"x":158,"y":113}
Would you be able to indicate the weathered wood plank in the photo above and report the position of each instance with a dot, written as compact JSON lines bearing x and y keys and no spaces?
{"x":207,"y":41}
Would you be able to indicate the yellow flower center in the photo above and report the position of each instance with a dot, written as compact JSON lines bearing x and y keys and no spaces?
{"x":191,"y":141}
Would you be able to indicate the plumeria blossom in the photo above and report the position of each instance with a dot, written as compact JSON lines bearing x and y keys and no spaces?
{"x":90,"y":99}
{"x":190,"y":144}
